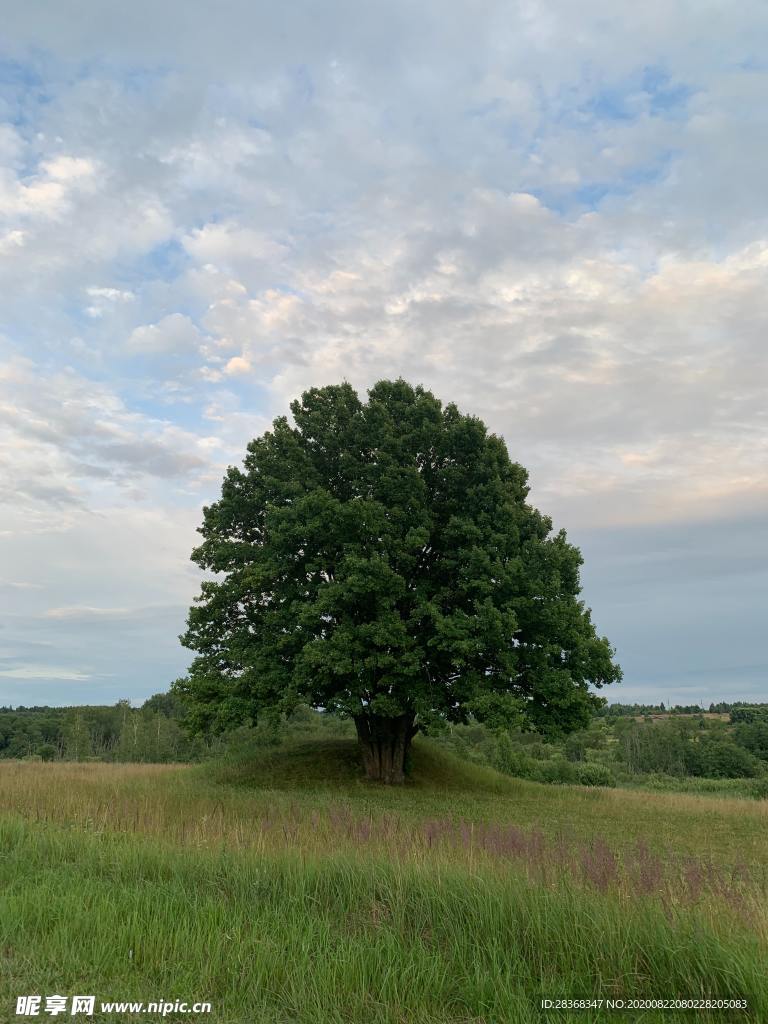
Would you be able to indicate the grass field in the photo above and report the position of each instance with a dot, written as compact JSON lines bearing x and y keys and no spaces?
{"x":289,"y":890}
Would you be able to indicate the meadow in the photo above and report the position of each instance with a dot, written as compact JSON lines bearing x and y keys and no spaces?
{"x":284,"y":888}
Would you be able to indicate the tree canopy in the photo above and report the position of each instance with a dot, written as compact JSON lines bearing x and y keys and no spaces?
{"x":379,"y":559}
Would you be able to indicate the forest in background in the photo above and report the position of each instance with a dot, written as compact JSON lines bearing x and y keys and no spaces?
{"x":721,"y":749}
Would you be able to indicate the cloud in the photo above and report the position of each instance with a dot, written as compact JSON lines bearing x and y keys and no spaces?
{"x":48,"y":193}
{"x":104,"y":300}
{"x":237,"y":365}
{"x":85,"y":614}
{"x":12,"y":240}
{"x":44,"y":672}
{"x":553,"y":215}
{"x":70,"y":442}
{"x":175,"y":333}
{"x":69,"y":168}
{"x":111,"y":294}
{"x":80,"y":612}
{"x":606,"y":377}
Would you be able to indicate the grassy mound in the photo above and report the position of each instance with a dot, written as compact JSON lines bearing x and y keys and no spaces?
{"x":301,"y":764}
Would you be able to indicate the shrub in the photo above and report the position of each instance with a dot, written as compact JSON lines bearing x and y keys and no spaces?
{"x":723,"y":759}
{"x":557,"y":770}
{"x":661,"y":782}
{"x":759,"y":787}
{"x":754,"y":737}
{"x":510,"y":760}
{"x":589,"y":773}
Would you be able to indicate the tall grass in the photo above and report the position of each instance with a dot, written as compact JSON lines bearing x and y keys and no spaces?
{"x":289,"y":890}
{"x":246,"y":804}
{"x":290,"y":937}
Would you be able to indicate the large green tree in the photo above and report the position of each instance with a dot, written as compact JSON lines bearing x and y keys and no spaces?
{"x":379,"y":559}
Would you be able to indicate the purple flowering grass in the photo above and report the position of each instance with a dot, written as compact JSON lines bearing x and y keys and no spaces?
{"x":637,"y":871}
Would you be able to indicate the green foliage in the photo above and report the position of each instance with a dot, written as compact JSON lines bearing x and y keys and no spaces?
{"x":246,"y":749}
{"x":579,"y":744}
{"x":168,"y":704}
{"x":753,"y":736}
{"x":381,"y":558}
{"x":78,"y":744}
{"x":589,"y":773}
{"x":658,"y":747}
{"x":751,"y":788}
{"x":687,"y":753}
{"x":759,"y":787}
{"x":116,"y":733}
{"x":149,"y":737}
{"x":749,"y":713}
{"x":684,"y":753}
{"x":722,"y":758}
{"x":511,"y":760}
{"x":554,"y":771}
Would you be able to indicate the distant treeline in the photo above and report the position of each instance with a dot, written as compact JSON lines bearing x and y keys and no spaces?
{"x":638,"y":710}
{"x":635,"y":744}
{"x":154,"y":732}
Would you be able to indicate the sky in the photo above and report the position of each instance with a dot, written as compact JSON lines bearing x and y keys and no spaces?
{"x":552,"y":214}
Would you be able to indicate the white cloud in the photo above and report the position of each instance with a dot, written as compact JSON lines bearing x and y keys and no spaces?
{"x":84,"y":612}
{"x":174,"y":333}
{"x":550,"y":339}
{"x":12,"y":240}
{"x":69,"y":168}
{"x":553,"y":215}
{"x":237,"y":365}
{"x":69,"y":443}
{"x":48,"y":194}
{"x":250,"y":257}
{"x":44,"y":672}
{"x":111,"y":294}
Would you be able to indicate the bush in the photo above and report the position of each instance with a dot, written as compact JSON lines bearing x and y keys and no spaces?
{"x":759,"y":787}
{"x":589,"y":773}
{"x":510,"y":760}
{"x":753,"y":736}
{"x":556,"y":771}
{"x":723,"y":759}
{"x":660,"y":781}
{"x":585,"y":743}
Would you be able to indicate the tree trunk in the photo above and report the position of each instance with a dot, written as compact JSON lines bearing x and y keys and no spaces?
{"x":384,"y":743}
